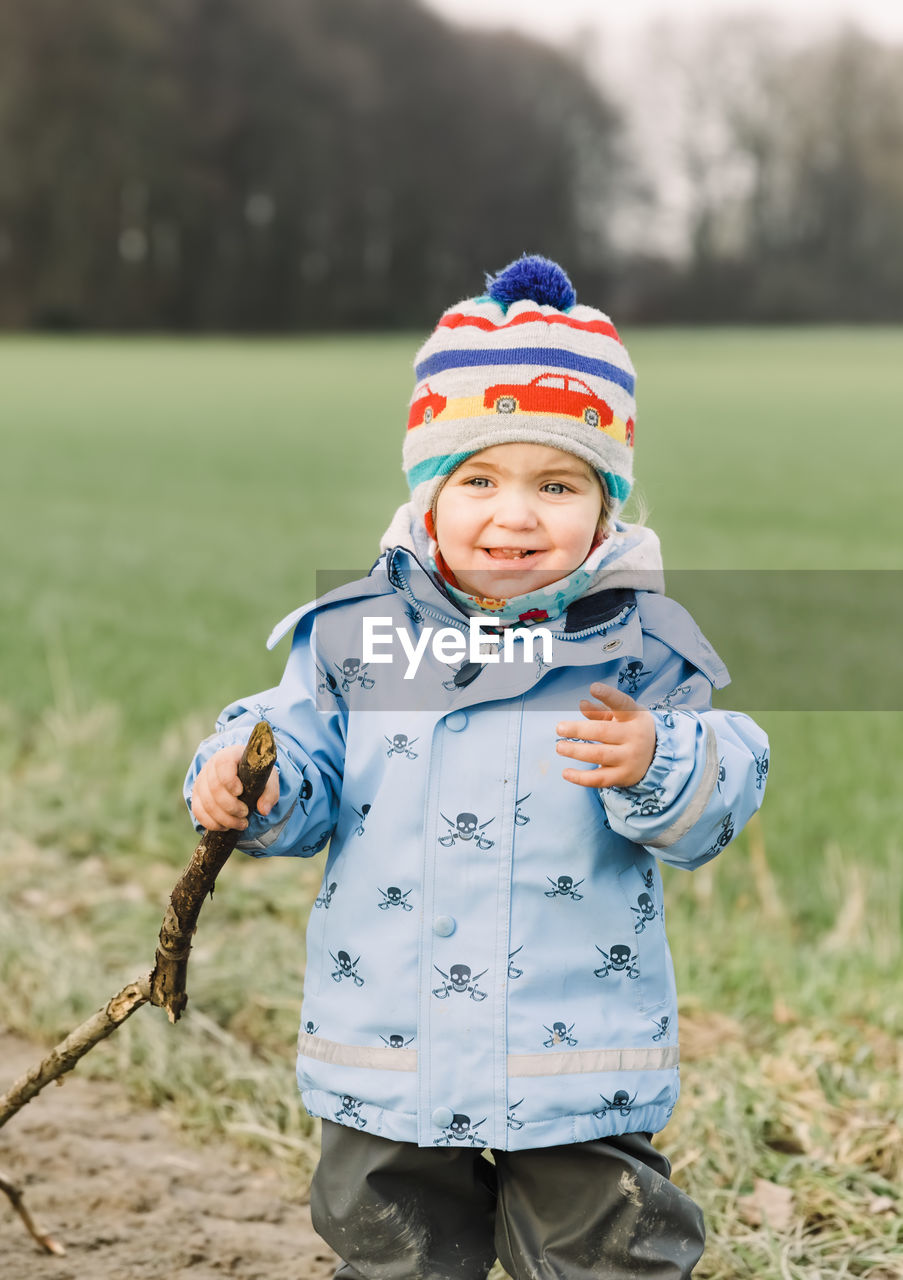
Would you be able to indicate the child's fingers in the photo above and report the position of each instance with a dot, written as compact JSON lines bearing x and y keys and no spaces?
{"x":211,"y":817}
{"x":225,"y":767}
{"x":589,"y":777}
{"x":221,"y":800}
{"x":596,"y":753}
{"x":619,"y":704}
{"x":607,"y":775}
{"x":270,"y":793}
{"x":607,"y":730}
{"x":595,"y":710}
{"x":220,"y":807}
{"x":215,"y":799}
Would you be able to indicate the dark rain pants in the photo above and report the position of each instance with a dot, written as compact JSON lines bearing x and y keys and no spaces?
{"x":394,"y":1211}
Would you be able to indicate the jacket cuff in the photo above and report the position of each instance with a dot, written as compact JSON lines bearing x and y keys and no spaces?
{"x":673,"y":794}
{"x":671,"y":765}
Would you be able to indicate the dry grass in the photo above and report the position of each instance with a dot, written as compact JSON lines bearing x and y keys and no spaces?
{"x":789,"y":1128}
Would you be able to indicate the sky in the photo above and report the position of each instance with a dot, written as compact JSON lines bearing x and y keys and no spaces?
{"x":618,"y":44}
{"x":562,"y":18}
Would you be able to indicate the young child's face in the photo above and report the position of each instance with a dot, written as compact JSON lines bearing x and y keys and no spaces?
{"x":516,"y":517}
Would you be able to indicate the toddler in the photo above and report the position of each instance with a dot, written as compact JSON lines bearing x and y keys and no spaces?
{"x":488,"y":972}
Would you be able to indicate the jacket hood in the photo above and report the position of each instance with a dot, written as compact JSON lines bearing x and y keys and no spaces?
{"x":634,"y":561}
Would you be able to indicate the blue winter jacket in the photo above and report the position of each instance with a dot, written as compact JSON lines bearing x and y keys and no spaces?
{"x":487,"y":959}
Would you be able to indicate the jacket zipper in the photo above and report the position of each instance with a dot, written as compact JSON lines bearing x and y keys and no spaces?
{"x":601,"y":627}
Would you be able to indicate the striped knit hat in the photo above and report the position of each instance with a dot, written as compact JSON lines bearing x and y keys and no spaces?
{"x":524,"y":363}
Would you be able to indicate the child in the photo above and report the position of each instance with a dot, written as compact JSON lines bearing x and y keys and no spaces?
{"x":487,"y":960}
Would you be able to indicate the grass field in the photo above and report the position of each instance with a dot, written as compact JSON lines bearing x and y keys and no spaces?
{"x":163,"y":503}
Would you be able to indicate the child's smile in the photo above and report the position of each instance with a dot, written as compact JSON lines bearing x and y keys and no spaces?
{"x":516,"y":517}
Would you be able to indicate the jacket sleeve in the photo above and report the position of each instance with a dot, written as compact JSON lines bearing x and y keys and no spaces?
{"x":308,"y":722}
{"x":707,"y":776}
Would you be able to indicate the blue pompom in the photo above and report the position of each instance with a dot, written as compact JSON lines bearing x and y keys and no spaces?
{"x":534,"y":278}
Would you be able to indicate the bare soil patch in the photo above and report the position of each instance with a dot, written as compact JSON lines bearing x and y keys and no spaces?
{"x":130,"y":1199}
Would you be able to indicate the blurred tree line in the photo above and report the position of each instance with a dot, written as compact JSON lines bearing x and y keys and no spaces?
{"x":286,"y":164}
{"x":793,"y":159}
{"x":282,"y":163}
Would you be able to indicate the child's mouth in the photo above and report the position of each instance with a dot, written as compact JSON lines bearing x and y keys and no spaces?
{"x":510,"y":553}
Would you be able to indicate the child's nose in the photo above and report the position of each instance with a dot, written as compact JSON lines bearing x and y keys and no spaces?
{"x":515,"y":510}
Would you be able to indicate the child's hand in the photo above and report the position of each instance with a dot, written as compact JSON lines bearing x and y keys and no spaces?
{"x":621,"y":742}
{"x":214,"y":799}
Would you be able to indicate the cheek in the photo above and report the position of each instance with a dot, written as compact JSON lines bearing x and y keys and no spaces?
{"x":577,"y":534}
{"x":456,"y":525}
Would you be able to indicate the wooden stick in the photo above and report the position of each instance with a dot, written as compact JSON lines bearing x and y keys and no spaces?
{"x":47,"y":1243}
{"x":165,"y":985}
{"x":77,"y":1043}
{"x":169,"y":976}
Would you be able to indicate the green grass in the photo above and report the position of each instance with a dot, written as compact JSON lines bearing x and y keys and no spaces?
{"x":163,"y":503}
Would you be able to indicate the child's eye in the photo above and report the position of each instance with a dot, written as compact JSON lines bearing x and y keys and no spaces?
{"x":478,"y":482}
{"x":556,"y":487}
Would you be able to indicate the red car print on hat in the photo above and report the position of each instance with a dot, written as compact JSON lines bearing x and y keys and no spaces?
{"x":425,"y":408}
{"x":551,"y":393}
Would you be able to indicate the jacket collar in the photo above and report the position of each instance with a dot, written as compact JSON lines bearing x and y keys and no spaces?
{"x":601,"y":628}
{"x":407,"y":574}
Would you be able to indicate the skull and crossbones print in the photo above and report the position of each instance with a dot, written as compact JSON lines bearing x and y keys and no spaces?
{"x":354,"y":672}
{"x":345,"y":967}
{"x":393,"y":897}
{"x":564,"y":887}
{"x":451,"y":685}
{"x":662,"y":1024}
{"x":465,"y":827}
{"x":351,"y":1110}
{"x":400,"y":745}
{"x":325,"y":896}
{"x":461,"y":1130}
{"x":396,"y":1041}
{"x":629,"y":678}
{"x":618,"y":959}
{"x":319,"y":841}
{"x":621,"y":1102}
{"x":723,"y":838}
{"x":646,"y":806}
{"x":460,"y":981}
{"x":305,"y":792}
{"x":362,"y":814}
{"x":645,"y":912}
{"x":666,"y":713}
{"x":328,"y":683}
{"x":680,"y":692}
{"x":559,"y":1033}
{"x":761,"y":770}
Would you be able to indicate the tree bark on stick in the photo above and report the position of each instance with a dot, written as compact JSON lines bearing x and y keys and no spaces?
{"x":165,"y":985}
{"x":170,"y":972}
